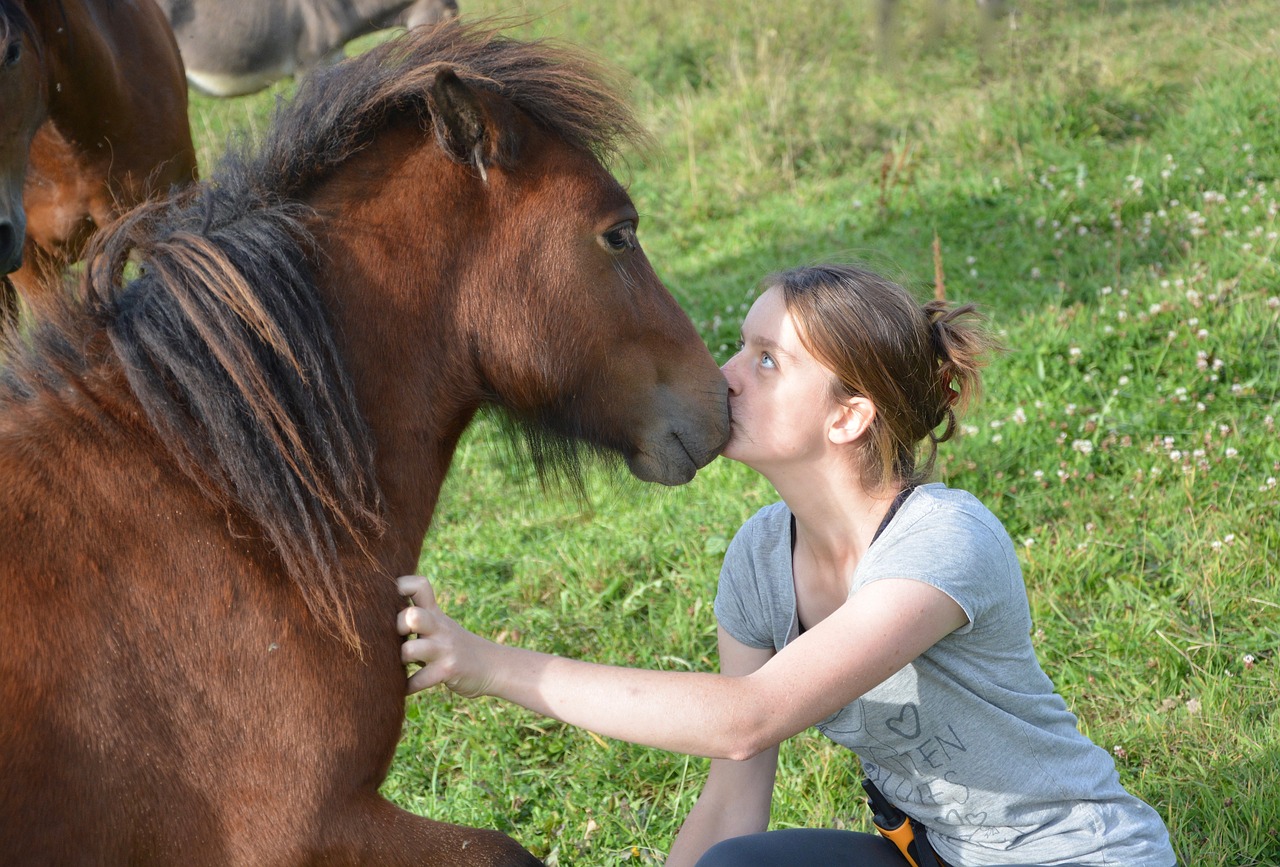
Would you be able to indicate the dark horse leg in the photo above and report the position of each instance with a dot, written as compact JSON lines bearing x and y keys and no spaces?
{"x":374,"y":831}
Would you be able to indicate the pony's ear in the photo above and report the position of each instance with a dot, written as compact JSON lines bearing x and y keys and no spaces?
{"x":462,"y":118}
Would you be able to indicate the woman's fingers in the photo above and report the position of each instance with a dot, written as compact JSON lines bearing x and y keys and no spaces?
{"x":446,"y":651}
{"x":418,"y":589}
{"x":416,"y":619}
{"x":437,"y":655}
{"x":422,"y":679}
{"x":416,"y":650}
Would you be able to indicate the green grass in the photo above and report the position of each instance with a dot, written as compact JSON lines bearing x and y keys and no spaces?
{"x":1106,"y":184}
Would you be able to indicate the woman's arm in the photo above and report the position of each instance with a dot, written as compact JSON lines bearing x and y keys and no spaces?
{"x":738,"y":794}
{"x":876,"y":632}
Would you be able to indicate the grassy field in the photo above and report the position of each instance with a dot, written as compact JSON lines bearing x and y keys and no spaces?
{"x":1105,"y":183}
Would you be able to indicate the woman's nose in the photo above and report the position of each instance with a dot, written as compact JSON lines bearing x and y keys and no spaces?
{"x":730,"y":371}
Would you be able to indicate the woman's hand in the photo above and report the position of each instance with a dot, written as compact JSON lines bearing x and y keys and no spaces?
{"x":448,"y":653}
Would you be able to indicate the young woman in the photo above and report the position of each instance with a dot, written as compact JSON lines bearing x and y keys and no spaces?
{"x":888,"y":612}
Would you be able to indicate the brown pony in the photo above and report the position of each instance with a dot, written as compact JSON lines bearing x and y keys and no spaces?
{"x":214,"y":468}
{"x":93,"y":120}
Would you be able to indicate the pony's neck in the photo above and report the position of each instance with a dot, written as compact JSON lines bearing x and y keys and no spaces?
{"x":392,"y":294}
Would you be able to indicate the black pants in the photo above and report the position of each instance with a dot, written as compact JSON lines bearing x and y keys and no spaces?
{"x":800,"y":847}
{"x":805,"y":847}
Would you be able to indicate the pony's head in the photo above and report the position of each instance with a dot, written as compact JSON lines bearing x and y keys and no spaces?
{"x":504,"y":233}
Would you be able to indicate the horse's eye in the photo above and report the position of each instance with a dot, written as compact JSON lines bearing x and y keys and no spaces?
{"x":13,"y":52}
{"x":620,"y":238}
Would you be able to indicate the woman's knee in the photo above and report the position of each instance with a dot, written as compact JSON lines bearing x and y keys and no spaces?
{"x":734,"y":852}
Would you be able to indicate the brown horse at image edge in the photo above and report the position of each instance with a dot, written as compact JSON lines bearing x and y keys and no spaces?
{"x":214,"y":468}
{"x":93,"y":120}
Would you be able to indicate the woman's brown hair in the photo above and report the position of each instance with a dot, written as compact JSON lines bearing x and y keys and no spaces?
{"x":918,"y":364}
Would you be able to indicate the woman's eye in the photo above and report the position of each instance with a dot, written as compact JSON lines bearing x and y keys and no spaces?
{"x":766,"y":360}
{"x":620,"y":238}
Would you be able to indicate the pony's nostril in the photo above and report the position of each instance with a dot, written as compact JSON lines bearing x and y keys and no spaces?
{"x":10,"y":248}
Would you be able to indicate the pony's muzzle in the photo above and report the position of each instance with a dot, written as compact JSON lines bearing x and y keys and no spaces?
{"x":683,"y":440}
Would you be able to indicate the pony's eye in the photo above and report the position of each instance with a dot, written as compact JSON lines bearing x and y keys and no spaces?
{"x":620,"y":238}
{"x":12,"y":52}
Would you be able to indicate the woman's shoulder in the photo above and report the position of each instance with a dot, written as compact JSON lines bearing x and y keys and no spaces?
{"x":935,"y":503}
{"x":947,"y":538}
{"x":940,"y":524}
{"x":755,"y":601}
{"x":766,"y":530}
{"x":770,"y":517}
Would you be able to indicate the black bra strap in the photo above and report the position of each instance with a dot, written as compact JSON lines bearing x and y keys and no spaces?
{"x":893,"y":510}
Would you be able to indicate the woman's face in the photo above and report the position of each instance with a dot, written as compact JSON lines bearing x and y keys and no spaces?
{"x":780,"y":397}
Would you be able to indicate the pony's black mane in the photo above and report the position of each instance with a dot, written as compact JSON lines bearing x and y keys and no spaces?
{"x":222,"y":336}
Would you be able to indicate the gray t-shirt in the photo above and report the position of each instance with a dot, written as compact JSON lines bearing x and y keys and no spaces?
{"x":970,"y":738}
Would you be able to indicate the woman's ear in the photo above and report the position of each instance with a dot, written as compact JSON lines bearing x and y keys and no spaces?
{"x":855,"y":415}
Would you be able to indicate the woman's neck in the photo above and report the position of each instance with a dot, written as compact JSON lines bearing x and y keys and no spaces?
{"x":836,"y":516}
